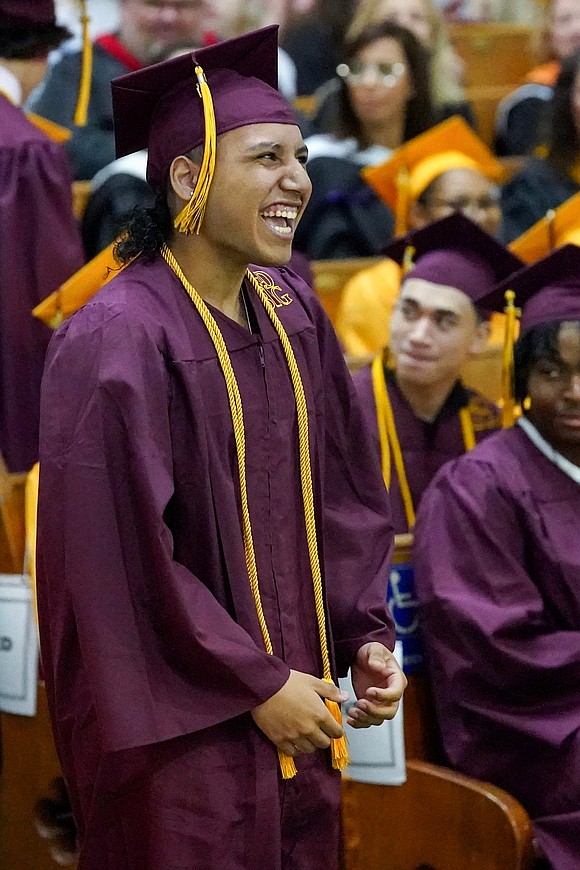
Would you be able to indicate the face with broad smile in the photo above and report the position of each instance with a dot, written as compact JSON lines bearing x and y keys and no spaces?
{"x":434,"y":329}
{"x":259,"y":191}
{"x":554,"y":391}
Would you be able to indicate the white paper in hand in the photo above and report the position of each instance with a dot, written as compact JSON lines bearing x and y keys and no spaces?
{"x":18,"y":646}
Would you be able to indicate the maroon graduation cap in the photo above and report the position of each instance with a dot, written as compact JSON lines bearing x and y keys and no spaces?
{"x":547,"y":291}
{"x":26,"y":13}
{"x":159,"y":107}
{"x":455,"y":252}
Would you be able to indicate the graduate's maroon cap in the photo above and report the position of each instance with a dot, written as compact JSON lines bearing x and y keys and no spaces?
{"x":455,"y":252}
{"x":159,"y":107}
{"x":25,"y":13}
{"x":547,"y":291}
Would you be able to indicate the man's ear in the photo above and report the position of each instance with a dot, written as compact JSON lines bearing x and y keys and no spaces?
{"x":183,"y":174}
{"x":480,"y":337}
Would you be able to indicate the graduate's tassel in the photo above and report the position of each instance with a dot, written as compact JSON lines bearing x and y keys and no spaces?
{"x":338,"y":747}
{"x":403,"y":201}
{"x":408,"y":261}
{"x":507,"y":368}
{"x":190,"y":217}
{"x":287,"y":765}
{"x":82,"y":108}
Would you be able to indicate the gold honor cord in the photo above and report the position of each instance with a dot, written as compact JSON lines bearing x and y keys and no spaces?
{"x":507,"y":365}
{"x":84,"y":95}
{"x":338,"y":747}
{"x":389,"y":439}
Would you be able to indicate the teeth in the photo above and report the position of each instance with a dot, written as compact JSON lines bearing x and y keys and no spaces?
{"x":285,"y":213}
{"x":283,"y":231}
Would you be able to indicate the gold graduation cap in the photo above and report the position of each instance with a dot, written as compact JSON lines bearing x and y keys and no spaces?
{"x":79,"y":288}
{"x":416,"y":164}
{"x":558,"y":227}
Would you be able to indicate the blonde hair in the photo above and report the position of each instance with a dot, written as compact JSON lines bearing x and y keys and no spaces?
{"x":445,"y":88}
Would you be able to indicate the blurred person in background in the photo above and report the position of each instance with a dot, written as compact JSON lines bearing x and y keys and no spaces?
{"x":383,"y":100}
{"x":145,"y":29}
{"x":39,"y":240}
{"x":548,"y":180}
{"x":518,"y":123}
{"x":423,"y":18}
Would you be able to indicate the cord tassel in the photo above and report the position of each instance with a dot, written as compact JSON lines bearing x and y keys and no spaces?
{"x":507,"y":367}
{"x":190,"y":217}
{"x":84,"y":96}
{"x":338,"y":745}
{"x":287,"y":765}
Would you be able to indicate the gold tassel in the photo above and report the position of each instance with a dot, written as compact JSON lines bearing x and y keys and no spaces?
{"x":507,"y":368}
{"x":190,"y":217}
{"x":287,"y":765}
{"x":408,"y":262}
{"x":82,"y":108}
{"x":403,"y":201}
{"x":338,"y":747}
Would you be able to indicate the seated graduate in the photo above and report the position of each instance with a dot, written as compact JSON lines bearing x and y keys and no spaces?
{"x":497,"y":570}
{"x":419,"y":412}
{"x":447,"y":169}
{"x":559,"y":226}
{"x":553,"y":175}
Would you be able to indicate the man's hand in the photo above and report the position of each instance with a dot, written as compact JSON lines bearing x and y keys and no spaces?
{"x":296,"y":718}
{"x":378,"y":682}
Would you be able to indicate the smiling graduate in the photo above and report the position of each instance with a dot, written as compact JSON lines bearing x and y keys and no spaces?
{"x":214,"y":532}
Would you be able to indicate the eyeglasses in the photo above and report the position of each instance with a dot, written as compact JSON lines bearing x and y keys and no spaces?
{"x":386,"y":74}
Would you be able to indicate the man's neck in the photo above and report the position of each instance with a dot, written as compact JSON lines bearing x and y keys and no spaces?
{"x":425,"y":400}
{"x":216,"y":280}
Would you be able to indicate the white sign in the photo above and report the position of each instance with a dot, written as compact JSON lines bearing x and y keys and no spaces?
{"x":18,"y":646}
{"x":377,"y":754}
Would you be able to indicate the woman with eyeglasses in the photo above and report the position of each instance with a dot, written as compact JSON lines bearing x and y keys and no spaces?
{"x":383,"y":100}
{"x":425,"y":20}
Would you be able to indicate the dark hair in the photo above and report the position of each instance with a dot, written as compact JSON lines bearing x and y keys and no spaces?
{"x":146,"y":231}
{"x":541,"y":342}
{"x":27,"y":43}
{"x":419,"y":111}
{"x":561,"y":130}
{"x":150,"y":227}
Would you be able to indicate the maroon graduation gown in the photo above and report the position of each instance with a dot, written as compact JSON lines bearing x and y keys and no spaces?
{"x":497,"y":565}
{"x":150,"y":642}
{"x":425,"y":446}
{"x":40,"y":248}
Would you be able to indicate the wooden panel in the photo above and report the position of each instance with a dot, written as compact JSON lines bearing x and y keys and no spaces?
{"x":494,"y":54}
{"x":438,"y":819}
{"x":29,"y":766}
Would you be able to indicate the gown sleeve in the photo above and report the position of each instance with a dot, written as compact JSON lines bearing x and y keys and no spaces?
{"x":499,"y":655}
{"x":40,"y":248}
{"x":160,"y":655}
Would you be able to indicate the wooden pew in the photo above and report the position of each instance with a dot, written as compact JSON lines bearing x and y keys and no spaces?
{"x":438,"y":819}
{"x":497,"y":58}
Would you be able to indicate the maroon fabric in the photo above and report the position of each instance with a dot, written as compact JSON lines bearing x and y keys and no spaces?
{"x":425,"y":446}
{"x":546,"y":291}
{"x":40,"y":248}
{"x":27,"y":12}
{"x":151,"y":647}
{"x":159,"y":107}
{"x":497,"y":573}
{"x":455,"y":252}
